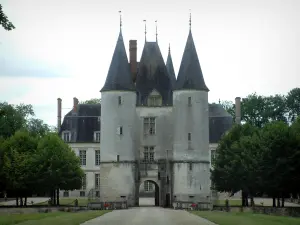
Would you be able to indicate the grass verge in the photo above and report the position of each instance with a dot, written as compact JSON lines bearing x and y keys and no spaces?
{"x":232,"y":202}
{"x":224,"y":218}
{"x":57,"y":218}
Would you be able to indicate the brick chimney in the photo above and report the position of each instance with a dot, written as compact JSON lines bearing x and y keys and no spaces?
{"x":75,"y":104}
{"x":133,"y":58}
{"x":238,"y":110}
{"x":58,"y":114}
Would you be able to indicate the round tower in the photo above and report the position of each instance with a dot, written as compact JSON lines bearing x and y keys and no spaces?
{"x":191,"y":130}
{"x":118,"y":116}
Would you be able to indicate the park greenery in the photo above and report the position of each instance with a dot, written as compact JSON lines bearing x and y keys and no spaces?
{"x":4,"y":22}
{"x":261,"y":155}
{"x":33,"y":158}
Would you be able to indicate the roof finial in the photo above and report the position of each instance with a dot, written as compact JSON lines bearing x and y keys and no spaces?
{"x":156,"y":29}
{"x":190,"y":23}
{"x":120,"y":20}
{"x":169,"y":49}
{"x":145,"y":30}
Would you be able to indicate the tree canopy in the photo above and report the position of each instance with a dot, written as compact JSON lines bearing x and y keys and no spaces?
{"x":4,"y":22}
{"x":92,"y":101}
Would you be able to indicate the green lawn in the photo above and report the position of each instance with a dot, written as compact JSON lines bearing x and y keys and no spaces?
{"x":232,"y":202}
{"x":55,"y":218}
{"x":68,"y":201}
{"x":224,"y":218}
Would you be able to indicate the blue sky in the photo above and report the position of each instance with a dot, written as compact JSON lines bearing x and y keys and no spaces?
{"x":64,"y":48}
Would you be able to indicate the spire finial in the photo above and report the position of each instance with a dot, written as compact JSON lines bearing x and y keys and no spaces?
{"x":169,"y":49}
{"x":145,"y":30}
{"x":156,"y":29}
{"x":120,"y":20}
{"x":190,"y":23}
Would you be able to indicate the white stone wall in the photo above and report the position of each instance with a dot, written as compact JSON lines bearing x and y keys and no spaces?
{"x":191,"y":119}
{"x":117,"y":180}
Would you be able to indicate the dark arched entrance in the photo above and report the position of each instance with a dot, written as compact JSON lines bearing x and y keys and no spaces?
{"x":149,"y":193}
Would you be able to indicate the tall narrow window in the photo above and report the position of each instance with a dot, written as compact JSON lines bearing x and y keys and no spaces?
{"x":189,"y":101}
{"x":118,"y":158}
{"x":149,"y":125}
{"x":97,"y":180}
{"x":82,"y":156}
{"x":189,"y":136}
{"x":97,"y":157}
{"x":190,"y":166}
{"x":148,"y":153}
{"x":97,"y":136}
{"x":84,"y":182}
{"x":120,"y":130}
{"x":119,"y":100}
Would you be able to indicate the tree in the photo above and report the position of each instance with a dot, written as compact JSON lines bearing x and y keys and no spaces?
{"x":38,"y":128}
{"x":229,"y":106}
{"x":13,"y":118}
{"x":4,"y":22}
{"x":60,"y":167}
{"x":17,"y":167}
{"x":293,"y":104}
{"x":92,"y":101}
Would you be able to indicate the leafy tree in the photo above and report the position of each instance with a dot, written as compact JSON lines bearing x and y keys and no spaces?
{"x":38,"y":128}
{"x":13,"y":118}
{"x":229,"y":106}
{"x":92,"y":101}
{"x":17,"y":168}
{"x":4,"y":22}
{"x":60,"y":168}
{"x":293,"y":104}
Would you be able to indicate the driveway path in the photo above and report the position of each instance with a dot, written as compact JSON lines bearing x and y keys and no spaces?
{"x":148,"y":216}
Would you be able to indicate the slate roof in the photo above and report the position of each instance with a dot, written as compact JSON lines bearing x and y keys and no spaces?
{"x":83,"y":128}
{"x":220,"y":121}
{"x":119,"y":75}
{"x":170,"y":69}
{"x":153,"y":74}
{"x":190,"y":74}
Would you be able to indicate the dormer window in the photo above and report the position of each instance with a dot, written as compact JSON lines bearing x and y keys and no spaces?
{"x":154,"y":99}
{"x":66,"y":136}
{"x":97,"y":136}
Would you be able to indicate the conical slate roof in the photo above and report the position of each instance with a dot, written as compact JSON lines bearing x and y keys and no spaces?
{"x":153,"y":74}
{"x":119,"y":75}
{"x":190,"y":74}
{"x":170,"y":69}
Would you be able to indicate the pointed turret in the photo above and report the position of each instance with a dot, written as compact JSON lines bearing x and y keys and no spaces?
{"x":170,"y":68}
{"x":119,"y":75}
{"x":190,"y":74}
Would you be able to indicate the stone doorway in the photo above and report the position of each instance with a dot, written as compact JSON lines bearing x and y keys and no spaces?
{"x":149,"y":193}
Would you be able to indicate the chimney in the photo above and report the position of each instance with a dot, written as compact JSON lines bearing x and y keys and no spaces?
{"x":238,"y":110}
{"x":58,"y":114}
{"x":75,"y":104}
{"x":133,"y":58}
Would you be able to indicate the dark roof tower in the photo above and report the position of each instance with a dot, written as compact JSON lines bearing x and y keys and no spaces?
{"x":170,"y":68}
{"x":119,"y":75}
{"x":190,"y":74}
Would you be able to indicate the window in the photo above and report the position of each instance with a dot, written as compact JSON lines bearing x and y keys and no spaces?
{"x":97,"y":157}
{"x":189,"y":101}
{"x":66,"y":194}
{"x":97,"y":193}
{"x":149,"y":125}
{"x":82,"y":156}
{"x":118,"y":158}
{"x":212,"y":155}
{"x":119,"y":100}
{"x":154,"y":100}
{"x":148,"y":154}
{"x":97,"y":181}
{"x":120,"y":130}
{"x":84,"y":182}
{"x":148,"y":186}
{"x":82,"y":193}
{"x":190,"y":166}
{"x":189,"y":136}
{"x":99,"y":118}
{"x":97,"y":135}
{"x":66,"y":135}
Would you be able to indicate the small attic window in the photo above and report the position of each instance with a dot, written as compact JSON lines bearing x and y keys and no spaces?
{"x":97,"y":136}
{"x":189,"y":101}
{"x":119,"y":100}
{"x":66,"y":136}
{"x":154,"y":100}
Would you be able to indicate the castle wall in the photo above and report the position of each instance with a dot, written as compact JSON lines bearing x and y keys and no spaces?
{"x":192,"y":157}
{"x":118,"y":178}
